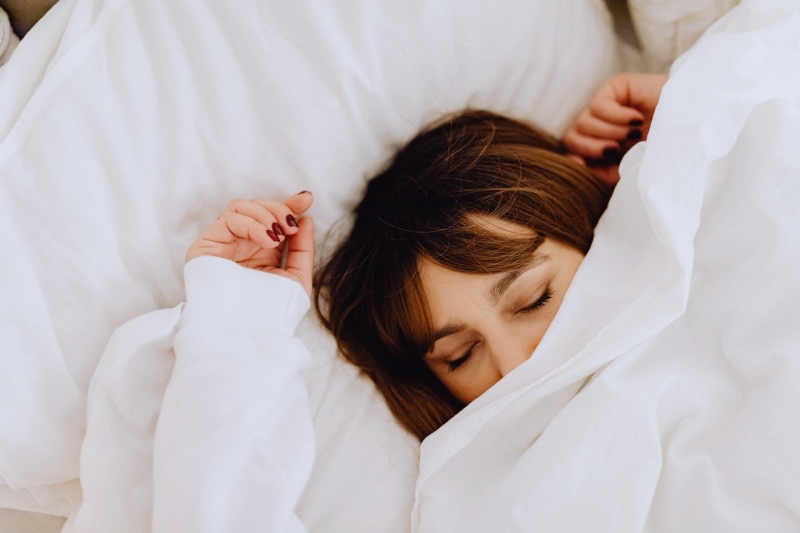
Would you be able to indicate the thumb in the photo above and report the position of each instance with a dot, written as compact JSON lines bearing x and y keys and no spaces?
{"x":300,"y":202}
{"x":300,"y":255}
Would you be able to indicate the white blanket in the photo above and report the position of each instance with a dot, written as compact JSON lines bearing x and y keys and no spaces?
{"x":126,"y":126}
{"x":140,"y":121}
{"x":664,"y":397}
{"x":684,"y":318}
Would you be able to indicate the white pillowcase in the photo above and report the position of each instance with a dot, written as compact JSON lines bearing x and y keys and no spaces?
{"x":127,"y":126}
{"x":666,"y":29}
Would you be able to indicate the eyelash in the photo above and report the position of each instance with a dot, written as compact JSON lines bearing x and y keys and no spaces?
{"x":538,"y":303}
{"x":452,"y":365}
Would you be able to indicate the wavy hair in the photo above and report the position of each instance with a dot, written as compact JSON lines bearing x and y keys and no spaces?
{"x":369,"y":293}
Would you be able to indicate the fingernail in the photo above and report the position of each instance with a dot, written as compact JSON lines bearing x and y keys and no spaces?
{"x":291,"y":221}
{"x":634,"y":134}
{"x":273,"y":236}
{"x":276,"y":229}
{"x":611,"y":153}
{"x":636,"y":122}
{"x":304,"y":192}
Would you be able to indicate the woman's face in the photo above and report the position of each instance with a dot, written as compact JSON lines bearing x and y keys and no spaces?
{"x":488,"y":324}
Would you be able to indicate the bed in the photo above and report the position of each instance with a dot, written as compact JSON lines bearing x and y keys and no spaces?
{"x":127,"y":126}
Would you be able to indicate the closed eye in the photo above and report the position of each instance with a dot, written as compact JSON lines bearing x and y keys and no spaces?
{"x":538,"y":303}
{"x":452,"y":365}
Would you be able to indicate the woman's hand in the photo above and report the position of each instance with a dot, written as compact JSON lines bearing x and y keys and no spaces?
{"x":255,"y":233}
{"x":618,"y":117}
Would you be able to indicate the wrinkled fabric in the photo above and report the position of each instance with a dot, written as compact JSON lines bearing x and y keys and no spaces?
{"x":127,"y":126}
{"x":683,"y":317}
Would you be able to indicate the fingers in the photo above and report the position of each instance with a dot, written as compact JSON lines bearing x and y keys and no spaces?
{"x":606,"y":129}
{"x":244,"y":227}
{"x":591,"y":148}
{"x":611,"y":111}
{"x":251,"y":232}
{"x":300,"y":202}
{"x":590,"y":125}
{"x":277,"y":219}
{"x":614,"y":102}
{"x":300,"y":257}
{"x":618,"y":117}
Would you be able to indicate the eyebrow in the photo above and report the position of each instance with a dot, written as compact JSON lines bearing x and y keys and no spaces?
{"x":497,"y":290}
{"x":494,"y":294}
{"x":448,"y":330}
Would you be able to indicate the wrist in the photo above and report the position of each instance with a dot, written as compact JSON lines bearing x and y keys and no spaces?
{"x":231,"y":298}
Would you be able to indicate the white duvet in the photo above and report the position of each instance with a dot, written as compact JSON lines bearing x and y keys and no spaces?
{"x":126,"y":126}
{"x":685,"y":319}
{"x":664,"y":397}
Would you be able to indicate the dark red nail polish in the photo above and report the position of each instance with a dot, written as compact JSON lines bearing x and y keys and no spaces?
{"x":303,"y":192}
{"x":291,"y":221}
{"x":634,"y":134}
{"x":611,"y":154}
{"x":273,"y":236}
{"x":276,"y":229}
{"x":636,"y":122}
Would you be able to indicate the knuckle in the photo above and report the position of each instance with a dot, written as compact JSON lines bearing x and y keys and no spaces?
{"x":233,"y":204}
{"x":596,"y":105}
{"x":583,"y":127}
{"x":269,"y":205}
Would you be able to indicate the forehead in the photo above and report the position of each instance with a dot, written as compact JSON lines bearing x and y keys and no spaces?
{"x":450,"y":294}
{"x":445,"y":288}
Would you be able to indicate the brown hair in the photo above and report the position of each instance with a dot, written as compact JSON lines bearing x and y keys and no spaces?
{"x":474,"y":163}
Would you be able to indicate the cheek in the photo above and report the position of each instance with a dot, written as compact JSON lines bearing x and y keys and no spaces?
{"x":562,"y":280}
{"x":467,"y":384}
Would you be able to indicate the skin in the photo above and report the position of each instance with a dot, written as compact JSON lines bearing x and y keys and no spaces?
{"x":501,"y":334}
{"x":618,"y":116}
{"x":246,"y":233}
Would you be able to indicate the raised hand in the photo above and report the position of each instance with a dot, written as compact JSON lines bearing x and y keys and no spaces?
{"x":618,"y":117}
{"x":254,"y":234}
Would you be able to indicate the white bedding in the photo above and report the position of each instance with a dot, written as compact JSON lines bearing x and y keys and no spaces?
{"x":684,"y":318}
{"x":126,"y":126}
{"x":663,"y":398}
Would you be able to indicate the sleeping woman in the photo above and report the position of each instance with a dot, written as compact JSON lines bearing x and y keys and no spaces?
{"x":459,"y":257}
{"x":461,"y":250}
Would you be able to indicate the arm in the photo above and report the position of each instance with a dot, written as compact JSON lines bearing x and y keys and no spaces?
{"x":234,"y":441}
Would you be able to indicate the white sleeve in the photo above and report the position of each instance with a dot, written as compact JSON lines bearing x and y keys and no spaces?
{"x":234,"y":441}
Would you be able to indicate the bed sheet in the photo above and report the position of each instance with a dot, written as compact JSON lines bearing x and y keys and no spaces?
{"x":664,"y":395}
{"x":126,"y":127}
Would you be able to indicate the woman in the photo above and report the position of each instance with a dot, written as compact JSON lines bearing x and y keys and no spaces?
{"x":458,"y":260}
{"x":461,"y":250}
{"x":459,"y":257}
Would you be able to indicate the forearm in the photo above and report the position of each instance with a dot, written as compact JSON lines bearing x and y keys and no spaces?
{"x":234,"y":441}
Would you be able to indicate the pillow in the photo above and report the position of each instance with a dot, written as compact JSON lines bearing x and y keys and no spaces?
{"x":126,"y":128}
{"x":668,"y":29}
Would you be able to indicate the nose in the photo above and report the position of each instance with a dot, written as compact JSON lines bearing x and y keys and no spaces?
{"x":509,"y":351}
